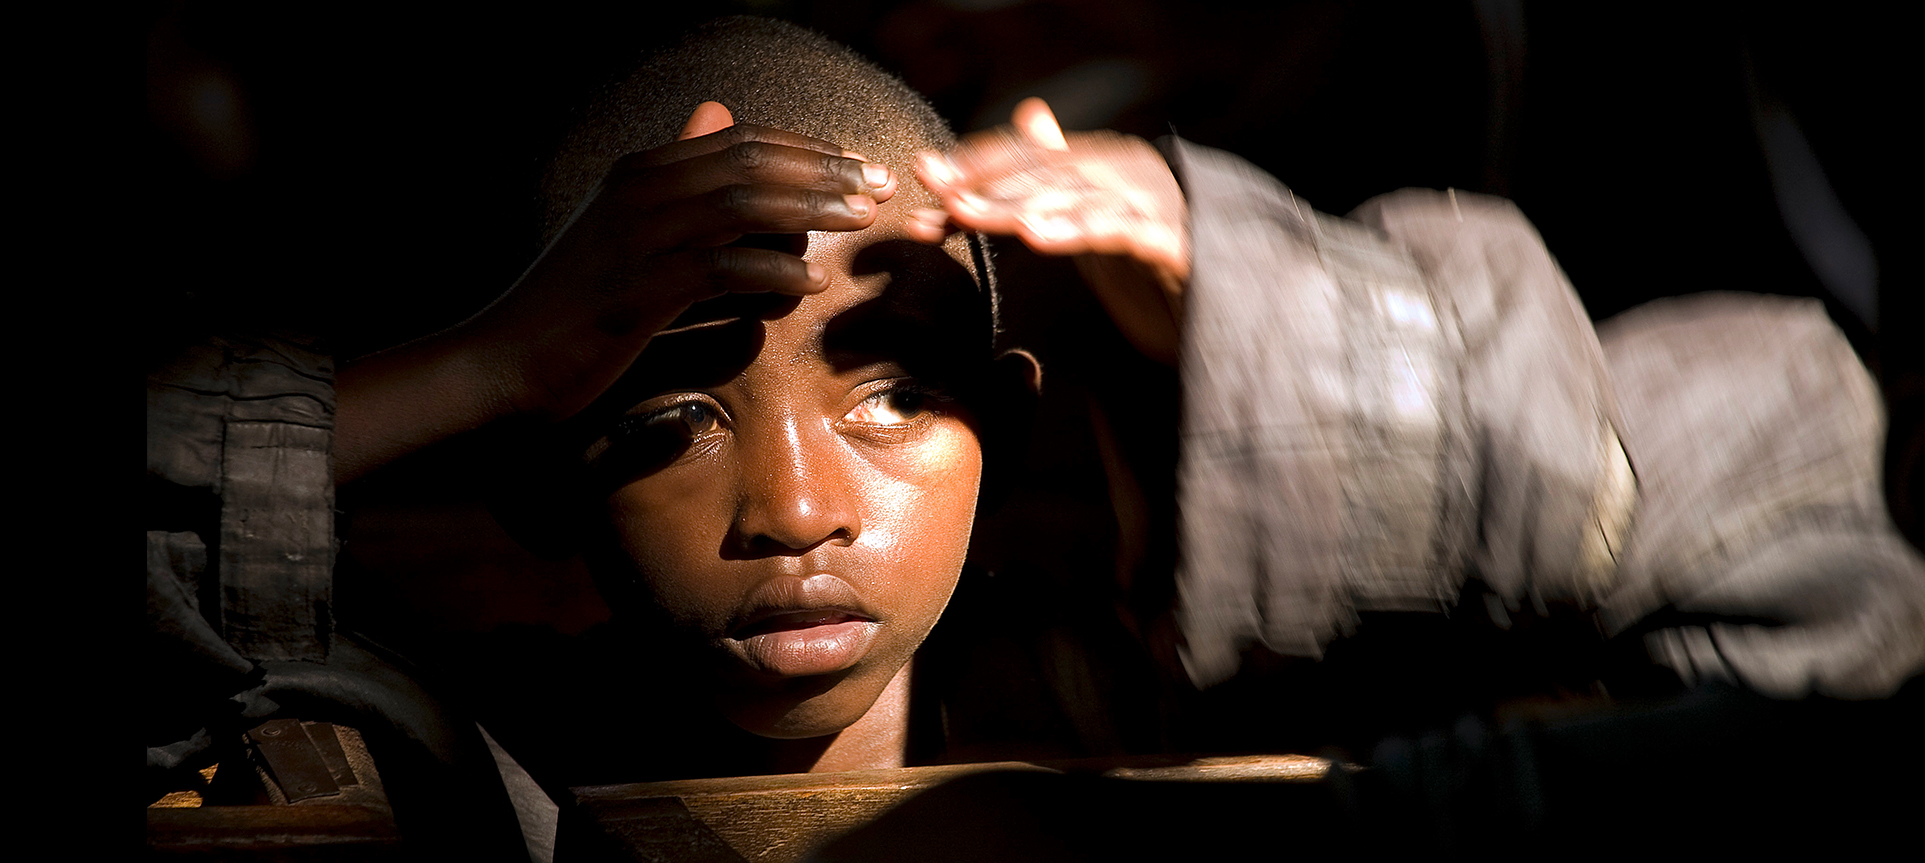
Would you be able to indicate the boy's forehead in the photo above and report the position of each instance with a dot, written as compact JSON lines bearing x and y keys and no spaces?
{"x":907,"y":281}
{"x":889,"y":299}
{"x":902,"y":302}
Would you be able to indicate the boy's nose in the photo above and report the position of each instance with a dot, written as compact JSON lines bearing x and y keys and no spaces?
{"x":797,"y":495}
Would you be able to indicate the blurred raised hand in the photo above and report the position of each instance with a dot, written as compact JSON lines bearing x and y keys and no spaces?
{"x":1107,"y":199}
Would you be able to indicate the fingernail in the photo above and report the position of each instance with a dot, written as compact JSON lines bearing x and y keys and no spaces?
{"x":937,"y":168}
{"x":859,"y":205}
{"x":876,"y":175}
{"x":1050,"y":228}
{"x":816,"y":273}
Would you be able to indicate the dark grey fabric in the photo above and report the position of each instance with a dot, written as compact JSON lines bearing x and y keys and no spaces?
{"x":240,"y":556}
{"x":277,"y":539}
{"x":239,"y":516}
{"x":1378,"y":409}
{"x":239,"y":439}
{"x":1758,"y":436}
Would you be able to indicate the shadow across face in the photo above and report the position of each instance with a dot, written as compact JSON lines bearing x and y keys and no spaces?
{"x":930,"y":319}
{"x":787,"y":498}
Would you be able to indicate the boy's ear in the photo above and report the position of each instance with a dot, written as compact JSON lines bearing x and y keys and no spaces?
{"x":1015,"y":384}
{"x":1022,"y":370}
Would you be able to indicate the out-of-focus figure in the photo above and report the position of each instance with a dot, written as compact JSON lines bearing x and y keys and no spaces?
{"x":1382,"y":410}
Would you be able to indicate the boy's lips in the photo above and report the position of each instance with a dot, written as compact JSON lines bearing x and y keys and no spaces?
{"x":820,"y":649}
{"x":794,"y":627}
{"x":808,"y":618}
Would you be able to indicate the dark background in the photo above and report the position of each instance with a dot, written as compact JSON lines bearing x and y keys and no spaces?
{"x":369,"y":172}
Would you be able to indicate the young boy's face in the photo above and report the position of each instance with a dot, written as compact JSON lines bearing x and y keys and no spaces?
{"x":795,"y":495}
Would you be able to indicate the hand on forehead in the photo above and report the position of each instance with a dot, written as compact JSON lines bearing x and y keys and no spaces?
{"x":1108,"y":200}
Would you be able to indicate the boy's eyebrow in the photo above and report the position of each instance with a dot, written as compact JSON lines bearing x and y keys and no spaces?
{"x":703,"y":354}
{"x":700,"y":355}
{"x":931,"y":311}
{"x":882,"y":329}
{"x":729,"y":307}
{"x":706,"y":346}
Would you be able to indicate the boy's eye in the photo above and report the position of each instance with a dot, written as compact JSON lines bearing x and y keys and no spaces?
{"x":891,"y":407}
{"x":649,"y":442}
{"x":685,"y":421}
{"x":696,"y":418}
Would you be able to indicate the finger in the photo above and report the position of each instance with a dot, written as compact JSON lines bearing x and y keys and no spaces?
{"x":709,"y":118}
{"x":1052,"y":234}
{"x":1038,"y":123}
{"x":708,"y":273}
{"x":974,"y":212}
{"x":723,"y":215}
{"x":877,"y":176}
{"x":936,"y":172}
{"x":982,"y":159}
{"x":1002,"y":215}
{"x":762,"y":163}
{"x":723,"y":139}
{"x":929,"y":226}
{"x":1104,"y":231}
{"x":1053,"y":223}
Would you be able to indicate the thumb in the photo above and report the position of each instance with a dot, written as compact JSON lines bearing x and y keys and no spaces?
{"x":1038,"y":124}
{"x":709,"y":118}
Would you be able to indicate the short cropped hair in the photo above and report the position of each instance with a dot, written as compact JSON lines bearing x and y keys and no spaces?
{"x":767,"y":73}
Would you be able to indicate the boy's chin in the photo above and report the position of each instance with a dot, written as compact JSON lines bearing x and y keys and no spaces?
{"x":804,"y":708}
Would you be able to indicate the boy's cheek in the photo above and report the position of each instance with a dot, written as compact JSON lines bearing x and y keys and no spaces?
{"x":921,"y":507}
{"x":663,"y":525}
{"x":947,"y":458}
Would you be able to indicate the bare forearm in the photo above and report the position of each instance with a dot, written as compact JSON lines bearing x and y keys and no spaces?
{"x":401,"y":400}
